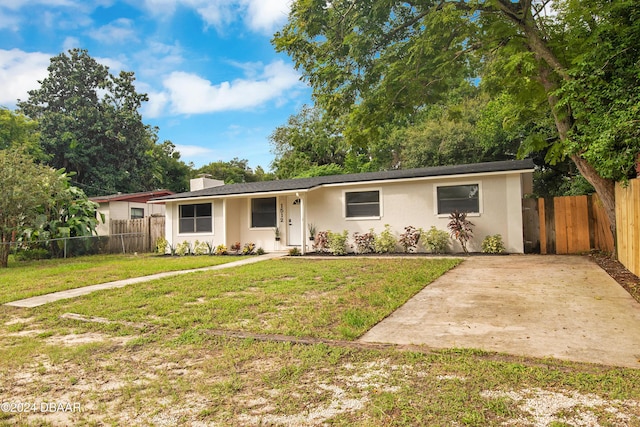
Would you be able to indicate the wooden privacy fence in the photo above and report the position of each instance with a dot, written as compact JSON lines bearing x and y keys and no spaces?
{"x":628,"y":225}
{"x":135,"y":235}
{"x":566,"y":225}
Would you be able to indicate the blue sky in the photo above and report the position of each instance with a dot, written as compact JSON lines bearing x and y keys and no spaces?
{"x":217,"y":87}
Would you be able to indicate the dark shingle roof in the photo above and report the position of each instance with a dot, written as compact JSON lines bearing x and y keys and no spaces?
{"x":309,"y":183}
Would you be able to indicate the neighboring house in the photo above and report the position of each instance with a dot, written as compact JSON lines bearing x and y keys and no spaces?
{"x":128,"y":206}
{"x":250,"y":212}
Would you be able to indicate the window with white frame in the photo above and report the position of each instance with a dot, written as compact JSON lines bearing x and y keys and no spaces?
{"x":137,"y":213}
{"x":196,"y":218}
{"x":263,"y":212}
{"x":463,"y":198}
{"x":362,"y":204}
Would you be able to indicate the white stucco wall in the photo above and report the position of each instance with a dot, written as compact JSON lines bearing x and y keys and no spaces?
{"x":403,"y":203}
{"x":414,"y":203}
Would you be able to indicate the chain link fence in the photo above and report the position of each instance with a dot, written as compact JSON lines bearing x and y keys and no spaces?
{"x":121,"y":243}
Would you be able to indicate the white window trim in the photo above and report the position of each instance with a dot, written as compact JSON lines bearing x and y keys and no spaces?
{"x":454,"y":184}
{"x":196,"y":233}
{"x":361,"y":218}
{"x":250,"y":211}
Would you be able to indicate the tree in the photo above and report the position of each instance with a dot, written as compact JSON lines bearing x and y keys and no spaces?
{"x":169,"y":171}
{"x":312,"y":144}
{"x":234,"y":171}
{"x":90,"y":125}
{"x":19,"y":132}
{"x":24,"y":186}
{"x":374,"y":58}
{"x":307,"y":141}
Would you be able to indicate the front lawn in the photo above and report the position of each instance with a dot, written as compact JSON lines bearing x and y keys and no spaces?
{"x":26,"y":279}
{"x":152,"y":354}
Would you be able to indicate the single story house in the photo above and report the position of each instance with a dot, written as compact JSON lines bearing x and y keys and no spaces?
{"x":490,"y":192}
{"x":128,"y":206}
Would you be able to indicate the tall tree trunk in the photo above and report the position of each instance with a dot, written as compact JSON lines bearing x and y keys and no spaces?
{"x":5,"y":248}
{"x":564,"y":121}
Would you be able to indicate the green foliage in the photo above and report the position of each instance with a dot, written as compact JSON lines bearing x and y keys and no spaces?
{"x":294,"y":251}
{"x":410,"y":238}
{"x":337,"y":242}
{"x":67,"y":212}
{"x":24,"y":186}
{"x":89,"y":124}
{"x":200,"y":248}
{"x":169,"y":172}
{"x":385,"y":242}
{"x":436,"y":241}
{"x":234,"y":171}
{"x":32,"y":254}
{"x":260,"y":251}
{"x":460,"y":228}
{"x":183,"y":248}
{"x":221,"y":249}
{"x":308,"y":145}
{"x":493,"y":244}
{"x":161,"y":245}
{"x":249,"y":248}
{"x":364,"y":242}
{"x":563,"y":86}
{"x":19,"y":132}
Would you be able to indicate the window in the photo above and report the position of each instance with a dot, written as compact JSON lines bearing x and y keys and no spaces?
{"x":137,"y":213}
{"x":362,"y":204}
{"x":196,"y":218}
{"x":263,"y":212}
{"x":463,"y":198}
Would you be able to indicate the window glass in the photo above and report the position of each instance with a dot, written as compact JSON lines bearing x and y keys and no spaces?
{"x":362,"y":204}
{"x":263,"y":212}
{"x":137,"y":213}
{"x":463,"y":198}
{"x":196,"y":218}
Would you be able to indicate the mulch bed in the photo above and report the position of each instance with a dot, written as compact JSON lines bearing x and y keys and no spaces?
{"x":620,"y":274}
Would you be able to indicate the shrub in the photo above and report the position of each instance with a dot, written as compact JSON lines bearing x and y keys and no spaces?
{"x":410,"y":238}
{"x":249,"y":248}
{"x":337,"y":242}
{"x":260,"y":251}
{"x":321,"y":244}
{"x":211,"y":248}
{"x":183,"y":248}
{"x":385,"y":242}
{"x":221,"y":250}
{"x":294,"y":251}
{"x":161,"y":245}
{"x":493,"y":244}
{"x":200,"y":248}
{"x":460,"y":228}
{"x":436,"y":241}
{"x":236,"y":247}
{"x":32,"y":254}
{"x":364,"y":243}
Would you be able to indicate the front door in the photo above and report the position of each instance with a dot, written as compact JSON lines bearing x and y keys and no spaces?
{"x":294,"y":230}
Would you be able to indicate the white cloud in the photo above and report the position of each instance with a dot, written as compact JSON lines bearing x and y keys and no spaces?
{"x":192,"y":151}
{"x":19,"y":73}
{"x":192,"y":94}
{"x":119,"y":31}
{"x":266,"y":15}
{"x":258,"y":15}
{"x":70,"y":43}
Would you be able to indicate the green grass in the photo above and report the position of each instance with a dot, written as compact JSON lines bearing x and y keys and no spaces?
{"x":31,"y":278}
{"x":338,"y":299}
{"x":151,"y":360}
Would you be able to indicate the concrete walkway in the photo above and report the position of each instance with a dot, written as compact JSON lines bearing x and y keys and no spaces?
{"x":72,"y":293}
{"x":564,"y":307}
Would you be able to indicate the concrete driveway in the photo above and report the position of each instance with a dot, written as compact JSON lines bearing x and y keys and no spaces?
{"x":564,"y":307}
